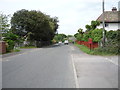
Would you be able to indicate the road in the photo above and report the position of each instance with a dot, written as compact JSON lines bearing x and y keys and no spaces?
{"x":63,"y":66}
{"x":40,"y":68}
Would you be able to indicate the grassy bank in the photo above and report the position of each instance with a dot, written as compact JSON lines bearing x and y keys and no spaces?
{"x":93,"y":51}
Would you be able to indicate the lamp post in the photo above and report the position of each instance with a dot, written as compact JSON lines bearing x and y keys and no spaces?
{"x":103,"y":22}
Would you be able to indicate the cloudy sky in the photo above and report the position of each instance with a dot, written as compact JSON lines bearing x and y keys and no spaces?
{"x":72,"y":14}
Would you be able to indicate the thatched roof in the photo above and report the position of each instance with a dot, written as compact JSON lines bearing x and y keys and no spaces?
{"x":110,"y":16}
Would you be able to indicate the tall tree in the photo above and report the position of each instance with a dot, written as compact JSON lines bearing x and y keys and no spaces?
{"x":41,"y":27}
{"x":4,"y":26}
{"x":93,"y":25}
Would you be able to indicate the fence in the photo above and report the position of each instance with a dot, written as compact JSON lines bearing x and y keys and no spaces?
{"x":93,"y":45}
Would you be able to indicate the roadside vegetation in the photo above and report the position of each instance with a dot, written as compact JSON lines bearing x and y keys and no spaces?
{"x":111,"y":47}
{"x":96,"y":51}
{"x":59,"y":37}
{"x":27,"y":29}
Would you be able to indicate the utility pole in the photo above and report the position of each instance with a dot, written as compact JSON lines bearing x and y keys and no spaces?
{"x":1,"y":27}
{"x":103,"y":24}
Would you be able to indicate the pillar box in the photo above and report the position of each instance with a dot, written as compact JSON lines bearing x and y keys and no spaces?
{"x":2,"y":47}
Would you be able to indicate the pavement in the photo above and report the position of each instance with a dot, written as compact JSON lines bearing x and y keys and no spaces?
{"x":95,"y":71}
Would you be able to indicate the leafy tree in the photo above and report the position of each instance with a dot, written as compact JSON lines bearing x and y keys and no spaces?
{"x":88,"y":27}
{"x":4,"y":26}
{"x":60,"y":37}
{"x":79,"y":35}
{"x":96,"y":35}
{"x":20,"y":22}
{"x":42,"y":27}
{"x":86,"y":36}
{"x":69,"y":36}
{"x":75,"y":35}
{"x":11,"y":40}
{"x":93,"y":25}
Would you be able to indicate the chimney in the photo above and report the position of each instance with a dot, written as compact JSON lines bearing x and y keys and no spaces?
{"x":114,"y":9}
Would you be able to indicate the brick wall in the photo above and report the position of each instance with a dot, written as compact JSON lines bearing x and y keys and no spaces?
{"x":2,"y":47}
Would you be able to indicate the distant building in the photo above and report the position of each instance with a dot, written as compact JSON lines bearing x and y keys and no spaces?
{"x":112,"y":19}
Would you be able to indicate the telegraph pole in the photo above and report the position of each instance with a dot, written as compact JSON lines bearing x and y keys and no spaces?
{"x":103,"y":22}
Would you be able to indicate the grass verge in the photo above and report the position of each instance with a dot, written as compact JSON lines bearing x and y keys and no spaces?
{"x":93,"y":52}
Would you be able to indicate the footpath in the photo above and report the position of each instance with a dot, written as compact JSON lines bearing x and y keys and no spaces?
{"x":95,"y":71}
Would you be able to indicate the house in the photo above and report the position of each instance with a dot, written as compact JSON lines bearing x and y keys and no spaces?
{"x":112,"y":19}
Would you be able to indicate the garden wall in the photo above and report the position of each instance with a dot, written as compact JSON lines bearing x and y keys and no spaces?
{"x":2,"y":47}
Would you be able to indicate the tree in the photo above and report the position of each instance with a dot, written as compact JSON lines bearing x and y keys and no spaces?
{"x":19,"y":22}
{"x":79,"y":35}
{"x":11,"y":40}
{"x":69,"y":36}
{"x":60,"y":37}
{"x":42,"y":27}
{"x":93,"y":25}
{"x":88,"y":27}
{"x":4,"y":26}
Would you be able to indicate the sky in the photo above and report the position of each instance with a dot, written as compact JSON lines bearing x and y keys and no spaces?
{"x":72,"y":14}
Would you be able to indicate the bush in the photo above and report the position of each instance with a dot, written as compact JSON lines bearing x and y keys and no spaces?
{"x":85,"y":36}
{"x":96,"y":35}
{"x":112,"y":45}
{"x":11,"y":40}
{"x":10,"y":45}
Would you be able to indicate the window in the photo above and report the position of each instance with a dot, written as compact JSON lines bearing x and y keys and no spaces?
{"x":106,"y":24}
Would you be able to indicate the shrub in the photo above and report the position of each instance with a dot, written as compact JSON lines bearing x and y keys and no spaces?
{"x":10,"y":45}
{"x":11,"y":40}
{"x":112,"y":44}
{"x":96,"y":35}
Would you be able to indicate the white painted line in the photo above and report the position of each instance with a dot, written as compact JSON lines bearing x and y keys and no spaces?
{"x":75,"y":73}
{"x":111,"y":61}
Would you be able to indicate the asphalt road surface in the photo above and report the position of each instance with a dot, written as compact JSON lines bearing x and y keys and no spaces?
{"x":63,"y":66}
{"x":39,"y":68}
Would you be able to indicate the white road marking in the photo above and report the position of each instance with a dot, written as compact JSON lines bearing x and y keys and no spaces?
{"x":75,"y":73}
{"x":111,"y":61}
